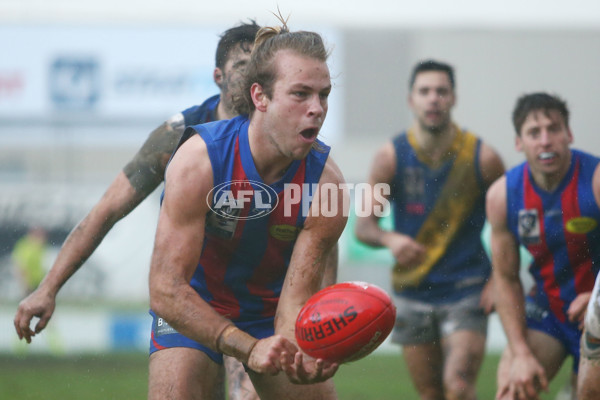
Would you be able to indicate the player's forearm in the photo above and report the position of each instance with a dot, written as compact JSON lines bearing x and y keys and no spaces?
{"x":285,"y":321}
{"x":368,"y":232}
{"x":77,"y":248}
{"x":180,"y":305}
{"x":83,"y":240}
{"x":293,"y":297}
{"x":331,"y":267}
{"x":510,"y":305}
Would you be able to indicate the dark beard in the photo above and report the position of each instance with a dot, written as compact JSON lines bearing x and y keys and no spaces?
{"x":436,"y":130}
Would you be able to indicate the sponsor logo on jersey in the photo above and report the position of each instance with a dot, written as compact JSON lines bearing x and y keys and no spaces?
{"x":285,"y":233}
{"x":581,"y":225}
{"x":161,"y":327}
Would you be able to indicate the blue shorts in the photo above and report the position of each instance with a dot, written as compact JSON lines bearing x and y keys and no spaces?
{"x":542,"y":319}
{"x":164,"y":336}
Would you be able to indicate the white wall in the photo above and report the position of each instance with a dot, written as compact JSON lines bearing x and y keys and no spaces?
{"x":397,"y":14}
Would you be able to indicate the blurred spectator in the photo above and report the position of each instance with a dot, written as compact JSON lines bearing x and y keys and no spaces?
{"x":28,"y":258}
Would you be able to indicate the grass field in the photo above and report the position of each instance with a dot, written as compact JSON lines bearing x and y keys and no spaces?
{"x":124,"y":376}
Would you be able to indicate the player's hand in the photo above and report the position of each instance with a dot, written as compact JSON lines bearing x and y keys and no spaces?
{"x":408,"y":252}
{"x":38,"y":304}
{"x":306,"y":370}
{"x":527,"y":379}
{"x":267,"y":355}
{"x":578,"y":307}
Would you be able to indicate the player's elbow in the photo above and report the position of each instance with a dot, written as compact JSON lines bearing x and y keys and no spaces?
{"x":161,"y":298}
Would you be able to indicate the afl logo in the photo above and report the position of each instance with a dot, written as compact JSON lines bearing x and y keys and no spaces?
{"x":581,"y":225}
{"x":231,"y":199}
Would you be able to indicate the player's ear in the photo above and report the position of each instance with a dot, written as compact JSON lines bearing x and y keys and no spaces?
{"x":409,"y":100}
{"x":259,"y":97}
{"x":218,"y":76}
{"x":453,"y":94}
{"x":570,"y":135}
{"x":518,"y":143}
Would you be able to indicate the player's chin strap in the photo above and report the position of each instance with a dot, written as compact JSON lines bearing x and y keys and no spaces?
{"x":235,"y":343}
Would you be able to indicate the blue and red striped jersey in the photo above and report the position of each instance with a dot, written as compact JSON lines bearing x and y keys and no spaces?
{"x":252,"y":227}
{"x":560,"y":230}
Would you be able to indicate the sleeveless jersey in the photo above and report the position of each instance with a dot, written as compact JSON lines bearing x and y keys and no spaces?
{"x":449,"y":229}
{"x":248,"y":244}
{"x":560,"y":230}
{"x":205,"y":112}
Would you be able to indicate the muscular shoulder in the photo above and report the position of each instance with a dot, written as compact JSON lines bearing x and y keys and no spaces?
{"x":490,"y":164}
{"x":496,"y":201}
{"x":332,"y":173}
{"x":190,"y":172}
{"x":383,"y":167}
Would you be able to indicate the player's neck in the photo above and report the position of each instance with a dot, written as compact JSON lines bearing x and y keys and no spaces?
{"x":270,"y":163}
{"x":224,"y":112}
{"x":434,"y":144}
{"x":550,"y":181}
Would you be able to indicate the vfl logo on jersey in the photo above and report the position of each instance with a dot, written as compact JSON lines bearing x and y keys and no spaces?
{"x":414,"y":189}
{"x":581,"y":225}
{"x":529,"y":226}
{"x":414,"y":183}
{"x":285,"y":233}
{"x":228,"y":203}
{"x":222,"y":224}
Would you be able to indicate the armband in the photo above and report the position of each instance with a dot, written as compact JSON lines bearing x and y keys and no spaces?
{"x":235,"y":343}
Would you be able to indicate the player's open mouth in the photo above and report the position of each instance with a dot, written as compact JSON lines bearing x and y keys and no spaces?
{"x":548,"y":155}
{"x":310,"y":134}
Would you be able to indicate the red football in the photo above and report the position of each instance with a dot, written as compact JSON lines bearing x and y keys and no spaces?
{"x":345,"y":322}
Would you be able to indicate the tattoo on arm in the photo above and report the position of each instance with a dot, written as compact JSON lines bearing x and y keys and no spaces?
{"x":146,"y":170}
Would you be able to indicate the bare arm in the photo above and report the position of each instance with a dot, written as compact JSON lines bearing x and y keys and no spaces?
{"x":578,"y":307}
{"x":492,"y":168}
{"x":310,"y":258}
{"x":490,"y":164}
{"x":137,"y":180}
{"x":404,"y":248}
{"x":526,"y":375}
{"x":331,"y":268}
{"x":314,"y":246}
{"x":178,"y":244}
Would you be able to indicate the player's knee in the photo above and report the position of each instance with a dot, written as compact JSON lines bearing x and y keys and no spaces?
{"x":458,"y":388}
{"x":585,"y":392}
{"x":431,"y":393}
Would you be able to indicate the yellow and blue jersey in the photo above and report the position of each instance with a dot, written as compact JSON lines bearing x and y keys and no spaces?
{"x":442,"y":206}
